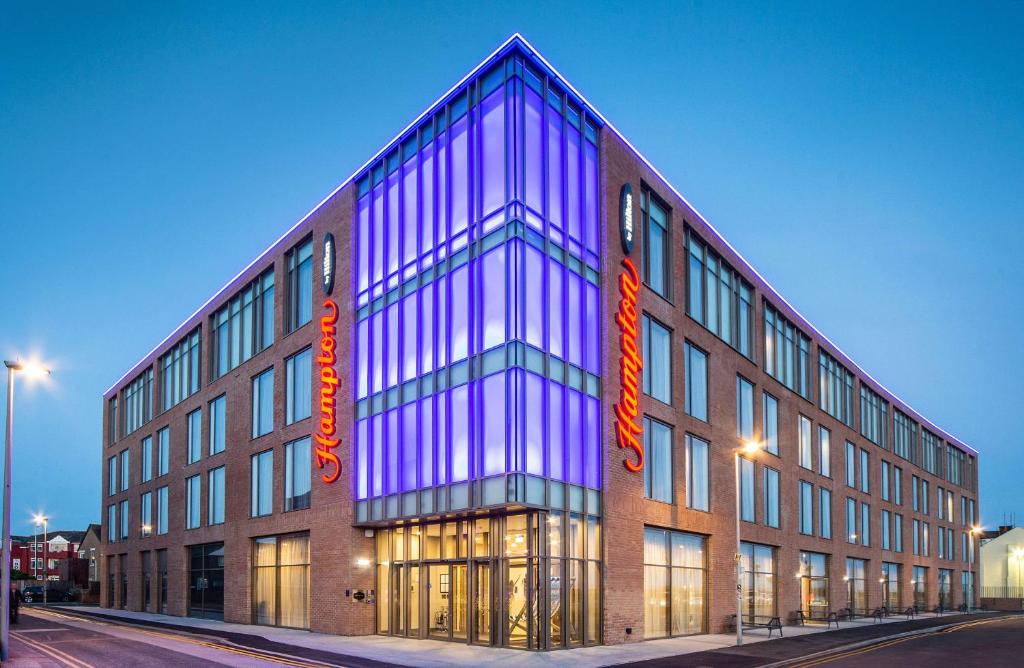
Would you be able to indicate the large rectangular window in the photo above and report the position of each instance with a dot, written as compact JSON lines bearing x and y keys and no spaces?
{"x":122,"y":513}
{"x":851,"y":520}
{"x":744,"y":409}
{"x":297,"y":464}
{"x":719,"y":298}
{"x":835,"y":389}
{"x":674,"y":575}
{"x":897,"y":532}
{"x":657,"y":346}
{"x":806,"y":458}
{"x":195,"y":435}
{"x":696,"y":372}
{"x":179,"y":370}
{"x":884,"y":530}
{"x":806,"y":508}
{"x":758,"y":584}
{"x":825,"y":512}
{"x":112,"y":476}
{"x":770,"y":423}
{"x":125,"y":471}
{"x":851,"y":465}
{"x":192,"y":486}
{"x":146,"y":514}
{"x":281,"y":585}
{"x":904,"y":435}
{"x":885,"y":482}
{"x":874,"y":416}
{"x":856,"y":583}
{"x":931,"y":446}
{"x":138,"y":401}
{"x":746,"y":490}
{"x":824,"y":452}
{"x":698,"y":474}
{"x":161,"y":510}
{"x":865,"y":471}
{"x":865,"y":524}
{"x":244,"y":326}
{"x":215,"y":494}
{"x":786,"y":353}
{"x":111,"y":523}
{"x":300,"y":285}
{"x":771,"y":497}
{"x":657,"y":245}
{"x":163,"y":451}
{"x":262,"y":484}
{"x":218,"y":424}
{"x":658,"y":467}
{"x":263,"y":403}
{"x":147,"y":459}
{"x":298,"y":402}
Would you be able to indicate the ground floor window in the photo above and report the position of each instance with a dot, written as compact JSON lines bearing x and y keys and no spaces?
{"x":891,"y":585}
{"x":206,"y":581}
{"x":814,"y":585}
{"x":945,"y":588}
{"x":967,"y":587}
{"x":758,"y":580}
{"x":146,"y":583}
{"x":856,"y":584}
{"x":529,"y":580}
{"x":110,"y":581}
{"x":920,"y":583}
{"x":674,"y":576}
{"x":161,"y":570}
{"x":280,"y":581}
{"x":123,"y":568}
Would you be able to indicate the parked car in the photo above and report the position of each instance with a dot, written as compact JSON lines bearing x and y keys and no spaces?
{"x":34,"y":594}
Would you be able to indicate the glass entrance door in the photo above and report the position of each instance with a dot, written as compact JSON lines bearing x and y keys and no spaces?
{"x":482,"y":608}
{"x":438,"y":596}
{"x":460,"y":592}
{"x":518,"y":621}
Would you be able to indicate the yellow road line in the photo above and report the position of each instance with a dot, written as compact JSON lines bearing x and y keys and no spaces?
{"x":890,"y":643}
{"x":52,"y":652}
{"x":218,"y":645}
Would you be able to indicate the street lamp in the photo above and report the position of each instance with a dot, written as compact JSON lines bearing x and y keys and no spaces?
{"x":44,"y":521}
{"x":32,"y":370}
{"x":976,"y":532}
{"x":748,"y":448}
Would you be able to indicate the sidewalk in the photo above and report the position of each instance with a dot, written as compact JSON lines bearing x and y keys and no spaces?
{"x":716,"y":649}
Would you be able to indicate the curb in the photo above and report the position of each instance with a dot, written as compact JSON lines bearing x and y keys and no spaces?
{"x":862,"y":644}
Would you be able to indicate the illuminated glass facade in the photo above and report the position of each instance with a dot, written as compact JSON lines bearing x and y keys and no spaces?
{"x":477,"y":273}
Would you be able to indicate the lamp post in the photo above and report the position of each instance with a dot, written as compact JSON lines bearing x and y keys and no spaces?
{"x":976,"y":532}
{"x":5,"y":547}
{"x":45,"y":521}
{"x":750,"y":448}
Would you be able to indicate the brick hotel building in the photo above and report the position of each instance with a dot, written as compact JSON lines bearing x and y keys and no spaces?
{"x":492,"y":390}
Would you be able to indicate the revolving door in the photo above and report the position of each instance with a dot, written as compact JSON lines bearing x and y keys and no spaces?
{"x":528,"y":580}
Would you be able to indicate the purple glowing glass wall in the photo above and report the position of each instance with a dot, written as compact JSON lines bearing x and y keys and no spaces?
{"x":439,"y":209}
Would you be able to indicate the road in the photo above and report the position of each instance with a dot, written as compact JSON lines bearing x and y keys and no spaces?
{"x":50,"y":639}
{"x":991,"y":643}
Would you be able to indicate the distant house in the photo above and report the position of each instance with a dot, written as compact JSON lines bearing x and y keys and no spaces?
{"x":58,"y":559}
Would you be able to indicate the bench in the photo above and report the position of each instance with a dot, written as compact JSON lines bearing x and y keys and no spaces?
{"x":829,"y":618}
{"x":911,"y":612}
{"x":758,"y":622}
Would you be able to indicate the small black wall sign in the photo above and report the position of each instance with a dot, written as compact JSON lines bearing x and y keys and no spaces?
{"x":328,"y":269}
{"x":626,"y":227}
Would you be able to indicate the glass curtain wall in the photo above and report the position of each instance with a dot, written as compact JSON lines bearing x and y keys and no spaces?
{"x":946,"y":588}
{"x":206,"y":581}
{"x":891,"y":586}
{"x":675,"y":572}
{"x":814,"y":593}
{"x":920,"y":583}
{"x":856,"y":584}
{"x":529,"y":580}
{"x":758,"y":581}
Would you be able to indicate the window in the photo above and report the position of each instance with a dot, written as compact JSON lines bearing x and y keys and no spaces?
{"x":856,"y":582}
{"x":146,"y":514}
{"x":298,"y":403}
{"x":122,"y":512}
{"x":865,"y":476}
{"x":218,"y":424}
{"x":297,"y":464}
{"x":192,"y":485}
{"x":915,"y":528}
{"x":865,"y":524}
{"x":697,"y":474}
{"x":851,"y":520}
{"x":930,"y":446}
{"x":897,"y":533}
{"x":904,"y":435}
{"x":657,"y":245}
{"x":195,"y":435}
{"x":825,"y":512}
{"x":925,"y":540}
{"x":746,"y":489}
{"x":112,"y":420}
{"x":949,"y":505}
{"x":824,"y":452}
{"x":263,"y":403}
{"x":884,"y":530}
{"x":770,"y":423}
{"x":758,"y":584}
{"x":658,"y":469}
{"x":814,"y":587}
{"x":806,"y":508}
{"x":719,"y":298}
{"x":874,"y":416}
{"x":771,"y":497}
{"x":891,"y":585}
{"x":744,"y":409}
{"x":138,"y":401}
{"x":657,"y":375}
{"x":215,"y":492}
{"x":805,"y":443}
{"x":161,"y":510}
{"x":924,"y":496}
{"x":126,"y":472}
{"x":696,"y":382}
{"x":885,"y":480}
{"x":897,"y":485}
{"x":244,"y":326}
{"x":940,"y":497}
{"x":147,"y":459}
{"x":112,"y":476}
{"x":674,"y":577}
{"x":851,"y":465}
{"x":262,"y":488}
{"x":281,"y":584}
{"x":835,"y":388}
{"x":179,"y":370}
{"x":163,"y":451}
{"x":941,"y":542}
{"x":786,"y":353}
{"x":913,"y":493}
{"x":111,"y":523}
{"x":300,"y":285}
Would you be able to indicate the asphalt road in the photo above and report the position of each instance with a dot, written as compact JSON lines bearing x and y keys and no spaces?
{"x":991,"y":643}
{"x":49,"y":639}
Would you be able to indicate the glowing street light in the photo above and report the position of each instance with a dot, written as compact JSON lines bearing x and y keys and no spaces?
{"x":32,"y":370}
{"x":749,"y":447}
{"x":42,"y":520}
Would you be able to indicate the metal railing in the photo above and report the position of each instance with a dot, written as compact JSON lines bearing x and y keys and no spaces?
{"x":1002,"y":592}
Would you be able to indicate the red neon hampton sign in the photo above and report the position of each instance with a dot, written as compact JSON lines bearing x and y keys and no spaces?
{"x":628,"y":430}
{"x":326,"y":440}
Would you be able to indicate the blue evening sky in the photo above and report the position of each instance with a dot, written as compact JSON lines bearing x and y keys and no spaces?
{"x":867,"y":159}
